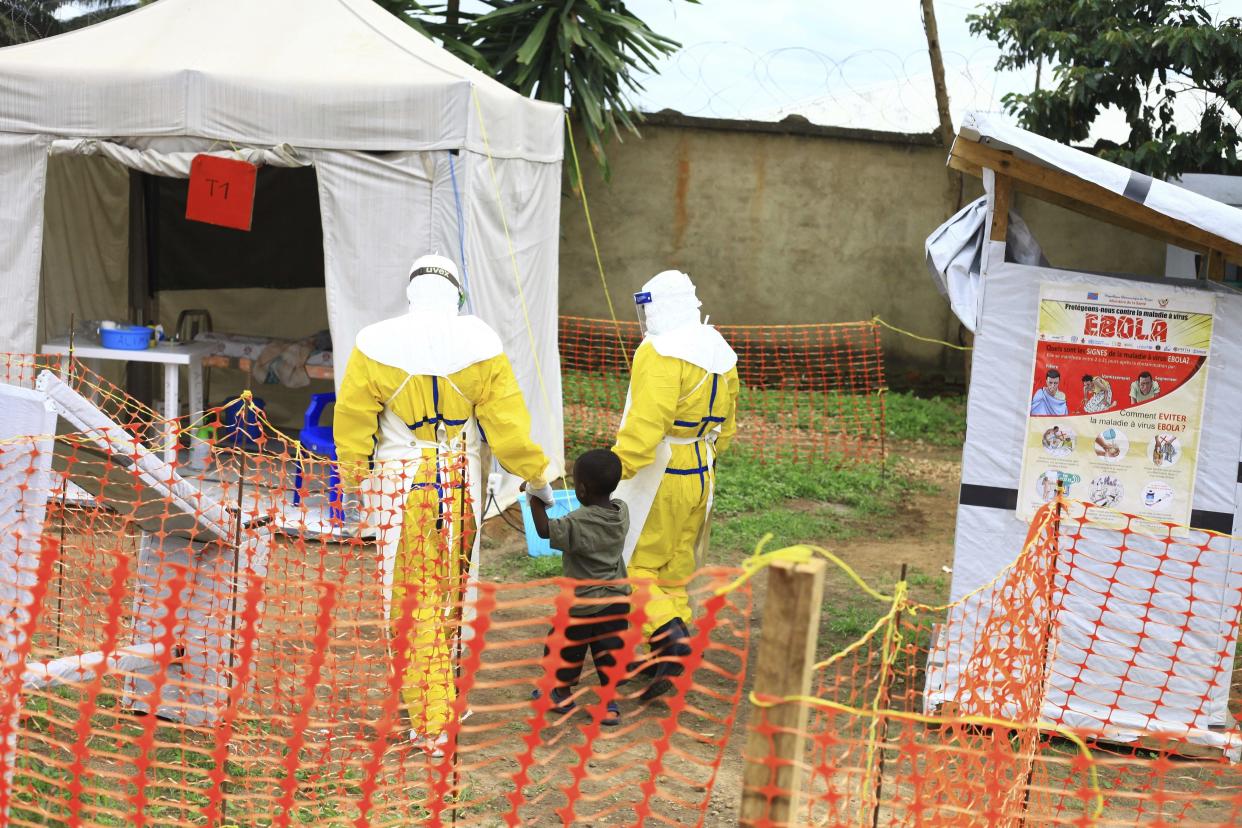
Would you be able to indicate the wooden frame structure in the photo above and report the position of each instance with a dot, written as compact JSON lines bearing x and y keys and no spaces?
{"x":1011,"y":161}
{"x":1016,"y":174}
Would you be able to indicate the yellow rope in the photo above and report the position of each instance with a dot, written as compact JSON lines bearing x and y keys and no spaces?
{"x":517,"y":276}
{"x":889,"y":648}
{"x":761,"y":560}
{"x":599,"y":262}
{"x":978,"y":721}
{"x":878,"y":321}
{"x":857,"y":644}
{"x":876,"y":712}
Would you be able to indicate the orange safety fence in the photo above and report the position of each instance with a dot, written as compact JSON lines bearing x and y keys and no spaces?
{"x":1094,"y":681}
{"x":300,"y":664}
{"x":808,"y":392}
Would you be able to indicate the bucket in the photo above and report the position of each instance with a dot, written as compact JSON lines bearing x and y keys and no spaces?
{"x":126,"y":338}
{"x":564,"y":503}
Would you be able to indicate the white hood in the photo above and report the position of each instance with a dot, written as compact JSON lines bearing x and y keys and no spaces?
{"x":675,"y":327}
{"x":431,"y":340}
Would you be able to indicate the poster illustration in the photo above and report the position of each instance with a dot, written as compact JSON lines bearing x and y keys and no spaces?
{"x":1116,"y":399}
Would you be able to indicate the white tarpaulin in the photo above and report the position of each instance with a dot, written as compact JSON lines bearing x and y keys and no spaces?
{"x":336,"y":74}
{"x":1168,"y":199}
{"x":955,"y":256}
{"x":989,"y":534}
{"x":1144,"y":638}
{"x":404,"y":139}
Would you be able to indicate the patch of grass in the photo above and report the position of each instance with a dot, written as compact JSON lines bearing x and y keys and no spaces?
{"x":546,"y":566}
{"x":743,"y":485}
{"x":801,"y":502}
{"x":593,"y":403}
{"x":938,"y":421}
{"x":928,"y":589}
{"x":742,"y":532}
{"x":851,"y":621}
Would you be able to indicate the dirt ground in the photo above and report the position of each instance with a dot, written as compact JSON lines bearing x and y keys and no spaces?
{"x":919,"y":536}
{"x":665,"y":753}
{"x":680,"y":755}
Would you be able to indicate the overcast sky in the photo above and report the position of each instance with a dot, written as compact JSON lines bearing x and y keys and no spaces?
{"x":835,"y":59}
{"x":742,"y":59}
{"x":860,"y":63}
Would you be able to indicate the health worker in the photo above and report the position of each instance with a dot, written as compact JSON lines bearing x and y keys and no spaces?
{"x":418,"y":392}
{"x":679,"y":415}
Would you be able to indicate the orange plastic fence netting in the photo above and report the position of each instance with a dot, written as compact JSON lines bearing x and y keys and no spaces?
{"x":808,"y":391}
{"x":1093,"y":682}
{"x":300,"y":676}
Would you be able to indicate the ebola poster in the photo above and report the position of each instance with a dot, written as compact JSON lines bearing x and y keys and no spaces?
{"x":1116,"y":399}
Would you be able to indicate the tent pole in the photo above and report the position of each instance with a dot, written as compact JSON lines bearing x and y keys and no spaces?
{"x":138,"y":379}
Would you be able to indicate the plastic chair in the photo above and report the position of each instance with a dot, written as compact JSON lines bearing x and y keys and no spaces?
{"x":318,"y":438}
{"x":239,"y":426}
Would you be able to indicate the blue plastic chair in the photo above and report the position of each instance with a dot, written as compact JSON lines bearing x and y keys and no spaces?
{"x":318,"y":438}
{"x":240,"y":426}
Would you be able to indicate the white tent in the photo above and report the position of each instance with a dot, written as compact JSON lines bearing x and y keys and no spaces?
{"x":1131,"y":684}
{"x":413,"y":151}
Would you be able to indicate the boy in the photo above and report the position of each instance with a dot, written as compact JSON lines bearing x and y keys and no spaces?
{"x":590,"y":539}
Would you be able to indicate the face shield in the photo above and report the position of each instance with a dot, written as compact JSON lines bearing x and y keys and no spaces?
{"x":642,"y":302}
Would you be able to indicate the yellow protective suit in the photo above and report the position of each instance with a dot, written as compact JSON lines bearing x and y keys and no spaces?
{"x":437,"y":528}
{"x":670,"y":397}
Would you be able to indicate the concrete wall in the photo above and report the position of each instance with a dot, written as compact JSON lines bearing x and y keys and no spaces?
{"x":790,"y":222}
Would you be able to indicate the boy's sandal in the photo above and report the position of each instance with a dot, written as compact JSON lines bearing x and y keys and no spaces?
{"x":568,"y":705}
{"x":614,"y":715}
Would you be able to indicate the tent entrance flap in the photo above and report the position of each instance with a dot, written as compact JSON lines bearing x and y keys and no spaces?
{"x":283,"y":248}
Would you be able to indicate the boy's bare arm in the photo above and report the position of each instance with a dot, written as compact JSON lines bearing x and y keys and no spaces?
{"x":538,"y":514}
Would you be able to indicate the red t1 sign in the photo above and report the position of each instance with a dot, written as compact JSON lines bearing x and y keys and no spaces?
{"x":221,"y":191}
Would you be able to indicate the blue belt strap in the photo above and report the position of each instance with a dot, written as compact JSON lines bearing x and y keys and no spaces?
{"x":437,"y":418}
{"x":701,"y":425}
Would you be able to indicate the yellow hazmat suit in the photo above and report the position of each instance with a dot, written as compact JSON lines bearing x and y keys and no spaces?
{"x":400,"y":438}
{"x":676,"y":402}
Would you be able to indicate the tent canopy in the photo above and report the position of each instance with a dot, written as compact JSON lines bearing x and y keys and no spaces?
{"x":331,"y":74}
{"x":1082,"y":182}
{"x":413,"y":152}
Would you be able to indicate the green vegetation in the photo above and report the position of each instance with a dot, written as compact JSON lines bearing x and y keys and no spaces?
{"x":801,"y":502}
{"x":548,"y":566}
{"x":593,"y":404}
{"x":851,"y":621}
{"x":931,"y":588}
{"x":593,"y":53}
{"x":938,"y":421}
{"x":1143,"y":61}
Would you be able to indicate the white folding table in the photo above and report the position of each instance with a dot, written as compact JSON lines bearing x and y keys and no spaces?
{"x":171,"y":356}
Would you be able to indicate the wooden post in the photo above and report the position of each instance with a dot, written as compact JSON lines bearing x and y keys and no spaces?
{"x":772,"y":777}
{"x":955,"y":185}
{"x":1002,"y":201}
{"x":1215,"y":266}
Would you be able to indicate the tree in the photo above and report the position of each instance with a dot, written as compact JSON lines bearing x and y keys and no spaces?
{"x":587,"y":51}
{"x":1140,"y":56}
{"x":24,"y":20}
